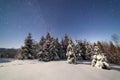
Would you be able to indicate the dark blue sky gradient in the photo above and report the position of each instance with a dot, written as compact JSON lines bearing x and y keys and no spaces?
{"x":80,"y":19}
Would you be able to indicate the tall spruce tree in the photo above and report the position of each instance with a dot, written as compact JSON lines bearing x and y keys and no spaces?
{"x":64,"y":44}
{"x":28,"y":50}
{"x":48,"y":36}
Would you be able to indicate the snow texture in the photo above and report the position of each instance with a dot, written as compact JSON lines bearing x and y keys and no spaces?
{"x":55,"y":70}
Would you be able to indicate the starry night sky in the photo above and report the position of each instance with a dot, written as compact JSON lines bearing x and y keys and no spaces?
{"x":80,"y":19}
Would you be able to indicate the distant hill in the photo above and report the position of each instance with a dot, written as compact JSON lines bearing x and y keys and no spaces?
{"x":7,"y":53}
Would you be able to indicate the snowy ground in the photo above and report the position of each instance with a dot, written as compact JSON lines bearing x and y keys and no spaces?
{"x":54,"y":70}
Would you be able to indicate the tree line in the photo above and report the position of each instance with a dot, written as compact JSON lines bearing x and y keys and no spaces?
{"x":7,"y":53}
{"x":50,"y":48}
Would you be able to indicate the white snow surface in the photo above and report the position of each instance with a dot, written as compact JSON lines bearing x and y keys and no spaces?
{"x":54,"y":70}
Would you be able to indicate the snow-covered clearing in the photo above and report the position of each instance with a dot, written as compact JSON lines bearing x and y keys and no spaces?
{"x":55,"y":70}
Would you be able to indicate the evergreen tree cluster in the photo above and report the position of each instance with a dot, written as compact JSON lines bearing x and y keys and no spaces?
{"x":50,"y":48}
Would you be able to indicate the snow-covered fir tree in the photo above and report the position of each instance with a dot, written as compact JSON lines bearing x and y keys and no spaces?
{"x":28,"y":50}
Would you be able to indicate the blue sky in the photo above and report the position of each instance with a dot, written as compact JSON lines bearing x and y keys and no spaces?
{"x":80,"y":19}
